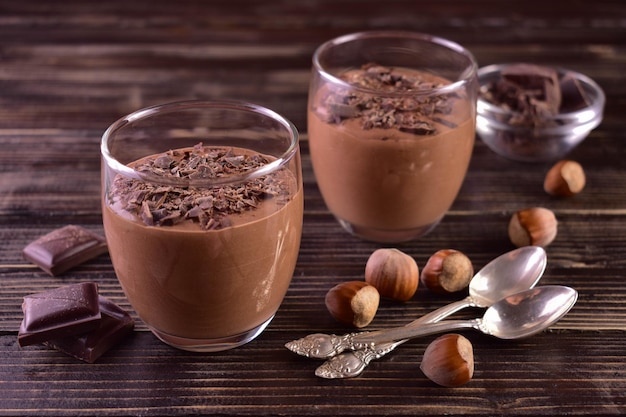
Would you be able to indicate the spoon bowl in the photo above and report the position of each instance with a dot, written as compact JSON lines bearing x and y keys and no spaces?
{"x":508,"y":274}
{"x":529,"y":312}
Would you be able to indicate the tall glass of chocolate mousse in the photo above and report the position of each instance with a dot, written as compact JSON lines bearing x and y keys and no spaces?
{"x":202,"y":208}
{"x":391,"y":124}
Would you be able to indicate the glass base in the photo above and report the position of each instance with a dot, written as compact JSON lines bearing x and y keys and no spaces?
{"x":387,"y":236}
{"x":211,"y":345}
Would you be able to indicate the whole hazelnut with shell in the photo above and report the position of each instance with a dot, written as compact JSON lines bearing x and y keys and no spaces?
{"x":565,"y":179}
{"x":394,"y":273}
{"x":535,"y":226}
{"x":449,"y":360}
{"x":447,"y":271}
{"x":353,"y":303}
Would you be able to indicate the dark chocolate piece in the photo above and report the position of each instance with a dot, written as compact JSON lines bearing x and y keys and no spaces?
{"x":64,"y":248}
{"x":114,"y":326}
{"x":574,"y":97}
{"x":64,"y":311}
{"x":536,"y":89}
{"x":539,"y":84}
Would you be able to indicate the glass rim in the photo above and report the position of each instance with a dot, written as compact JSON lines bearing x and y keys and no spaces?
{"x":170,"y":107}
{"x":466,"y":76}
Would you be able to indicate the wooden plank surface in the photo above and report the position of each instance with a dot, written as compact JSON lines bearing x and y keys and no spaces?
{"x":69,"y":69}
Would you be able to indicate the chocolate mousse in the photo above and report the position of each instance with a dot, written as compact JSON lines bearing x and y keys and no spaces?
{"x":389,"y":165}
{"x":204,"y":264}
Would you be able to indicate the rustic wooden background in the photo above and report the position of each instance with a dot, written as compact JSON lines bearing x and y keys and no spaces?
{"x":69,"y":69}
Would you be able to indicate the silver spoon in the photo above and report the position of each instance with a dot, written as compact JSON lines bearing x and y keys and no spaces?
{"x":507,"y":274}
{"x":516,"y":316}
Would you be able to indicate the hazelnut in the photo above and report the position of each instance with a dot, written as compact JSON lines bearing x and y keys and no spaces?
{"x":449,"y":360}
{"x":353,"y":303}
{"x":565,"y":179}
{"x":447,"y":271}
{"x":394,"y":274}
{"x":535,"y":226}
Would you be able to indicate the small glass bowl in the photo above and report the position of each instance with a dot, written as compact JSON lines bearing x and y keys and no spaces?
{"x":537,"y":144}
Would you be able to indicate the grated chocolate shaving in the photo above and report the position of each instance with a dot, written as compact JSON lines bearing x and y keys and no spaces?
{"x":418,"y":115}
{"x":168,"y":205}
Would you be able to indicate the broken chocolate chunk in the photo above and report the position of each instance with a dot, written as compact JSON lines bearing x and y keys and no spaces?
{"x":530,"y":76}
{"x":64,"y":311}
{"x":574,"y":96}
{"x":115,"y":324}
{"x":536,"y":86}
{"x":64,"y":248}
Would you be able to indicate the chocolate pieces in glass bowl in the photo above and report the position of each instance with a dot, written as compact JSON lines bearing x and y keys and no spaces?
{"x":532,"y":113}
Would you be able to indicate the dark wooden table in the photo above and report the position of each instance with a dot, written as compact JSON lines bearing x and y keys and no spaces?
{"x":68,"y":69}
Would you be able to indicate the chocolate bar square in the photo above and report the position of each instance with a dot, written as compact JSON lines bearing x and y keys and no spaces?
{"x":64,"y":248}
{"x":114,"y":326}
{"x":64,"y":311}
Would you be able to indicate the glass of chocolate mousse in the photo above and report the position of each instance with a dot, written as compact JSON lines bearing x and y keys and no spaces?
{"x":202,"y":209}
{"x":391,"y":124}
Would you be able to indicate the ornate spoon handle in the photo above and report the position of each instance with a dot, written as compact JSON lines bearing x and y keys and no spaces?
{"x":351,"y":364}
{"x":323,"y":346}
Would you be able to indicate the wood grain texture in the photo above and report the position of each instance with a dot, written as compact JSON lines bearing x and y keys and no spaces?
{"x":69,"y":69}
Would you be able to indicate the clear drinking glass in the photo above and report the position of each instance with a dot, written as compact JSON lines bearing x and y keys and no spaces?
{"x":202,"y":208}
{"x":391,"y":123}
